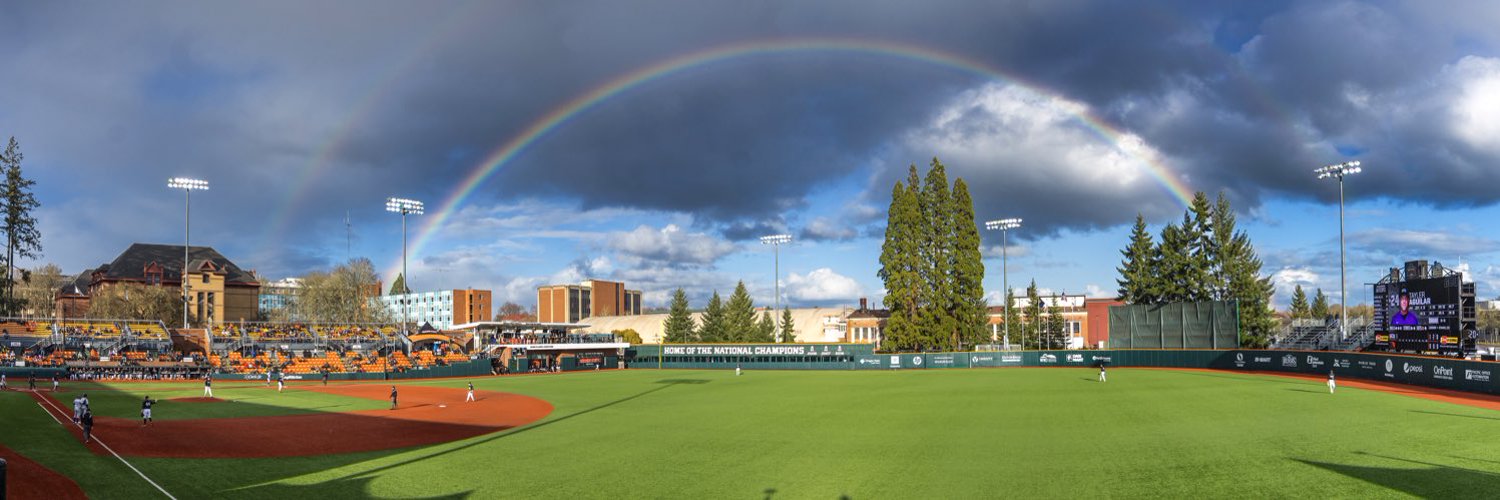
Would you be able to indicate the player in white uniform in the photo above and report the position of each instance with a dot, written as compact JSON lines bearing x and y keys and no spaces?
{"x":77,"y":408}
{"x":208,"y":386}
{"x":280,"y":381}
{"x":1102,"y":377}
{"x":736,"y":369}
{"x":470,"y":397}
{"x":2,"y":382}
{"x":1331,"y":383}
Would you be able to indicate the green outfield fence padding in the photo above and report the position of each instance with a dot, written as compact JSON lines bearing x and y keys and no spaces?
{"x":1180,"y":325}
{"x":19,"y":373}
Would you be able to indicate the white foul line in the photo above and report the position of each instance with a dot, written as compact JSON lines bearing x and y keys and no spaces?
{"x":106,"y":447}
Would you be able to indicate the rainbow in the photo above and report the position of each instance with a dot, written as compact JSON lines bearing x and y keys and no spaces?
{"x":560,"y":116}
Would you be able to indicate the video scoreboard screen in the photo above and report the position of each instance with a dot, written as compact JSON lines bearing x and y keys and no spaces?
{"x":1419,"y":315}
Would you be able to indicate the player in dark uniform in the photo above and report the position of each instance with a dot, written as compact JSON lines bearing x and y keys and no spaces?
{"x":208,"y":386}
{"x":146,"y":411}
{"x":88,"y":425}
{"x":31,"y":382}
{"x":325,"y":376}
{"x":470,"y":397}
{"x":393,"y":397}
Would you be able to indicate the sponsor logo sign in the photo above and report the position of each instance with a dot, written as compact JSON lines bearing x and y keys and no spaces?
{"x":916,"y":361}
{"x":1368,"y":365}
{"x":1010,"y":358}
{"x":739,"y":350}
{"x":895,"y":361}
{"x":1049,"y":358}
{"x":1289,"y":361}
{"x":1477,"y":375}
{"x":1314,"y":362}
{"x":1104,"y":359}
{"x":1265,"y":360}
{"x":869,"y":361}
{"x":1411,"y":368}
{"x":943,"y":360}
{"x":1075,"y":358}
{"x":1239,"y":360}
{"x":1340,"y":363}
{"x":982,"y":359}
{"x":1442,"y":372}
{"x":1388,"y":365}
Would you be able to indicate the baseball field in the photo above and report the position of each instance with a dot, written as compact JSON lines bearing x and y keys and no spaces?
{"x":1053,"y":432}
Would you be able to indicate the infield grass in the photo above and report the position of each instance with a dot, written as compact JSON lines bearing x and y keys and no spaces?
{"x":1010,"y":432}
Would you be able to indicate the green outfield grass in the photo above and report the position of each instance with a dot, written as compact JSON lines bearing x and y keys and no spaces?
{"x":917,"y":434}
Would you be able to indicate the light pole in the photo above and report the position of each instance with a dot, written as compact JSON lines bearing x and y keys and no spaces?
{"x":404,"y":207}
{"x":1338,"y":171}
{"x":1004,"y":226}
{"x":187,"y":186}
{"x":776,"y":240}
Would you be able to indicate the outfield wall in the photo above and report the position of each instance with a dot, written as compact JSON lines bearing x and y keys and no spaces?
{"x":1442,"y":373}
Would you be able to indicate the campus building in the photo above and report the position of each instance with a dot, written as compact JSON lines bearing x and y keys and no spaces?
{"x":1085,"y":320}
{"x":217,"y":289}
{"x":441,"y":309}
{"x":865,"y":325}
{"x":279,"y":295}
{"x":575,"y":303}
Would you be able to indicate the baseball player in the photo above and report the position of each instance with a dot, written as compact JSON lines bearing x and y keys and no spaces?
{"x":470,"y":397}
{"x":736,"y":369}
{"x":280,"y":381}
{"x":3,"y":387}
{"x":393,"y":397}
{"x":54,"y":383}
{"x":268,"y":378}
{"x":1102,"y":376}
{"x":88,"y":425}
{"x":325,"y":377}
{"x":146,"y":411}
{"x":31,"y":382}
{"x":1331,"y":383}
{"x":77,"y":408}
{"x":208,"y":386}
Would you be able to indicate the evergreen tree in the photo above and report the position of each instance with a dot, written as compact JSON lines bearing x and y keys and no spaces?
{"x":1222,"y":236}
{"x":1012,"y":333}
{"x":788,"y":328}
{"x":1056,"y":335}
{"x":22,"y":239}
{"x":1197,"y":226}
{"x":899,"y":268}
{"x":740,"y":316}
{"x":398,"y":286}
{"x":1319,"y":310}
{"x":678,"y":327}
{"x":1032,"y":332}
{"x":1242,"y":280}
{"x":765,"y":331}
{"x":969,"y":309}
{"x":939,"y":327}
{"x":1138,"y":275}
{"x":1299,"y":303}
{"x":715,"y":321}
{"x":1173,"y":265}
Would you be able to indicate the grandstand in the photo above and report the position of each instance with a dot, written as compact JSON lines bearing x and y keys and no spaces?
{"x":1325,"y":335}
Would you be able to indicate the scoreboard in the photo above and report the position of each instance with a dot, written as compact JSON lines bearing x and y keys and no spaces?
{"x":1421,"y":315}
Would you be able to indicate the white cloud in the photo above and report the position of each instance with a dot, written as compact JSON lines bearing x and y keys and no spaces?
{"x":1096,"y":292}
{"x":822,"y":286}
{"x":671,"y":245}
{"x":1475,"y":110}
{"x":1423,"y":242}
{"x":826,"y":229}
{"x":1287,"y":279}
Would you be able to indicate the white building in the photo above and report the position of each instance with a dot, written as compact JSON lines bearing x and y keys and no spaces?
{"x":442,"y":309}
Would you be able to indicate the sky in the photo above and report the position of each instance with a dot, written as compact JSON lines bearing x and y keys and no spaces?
{"x":653,"y":142}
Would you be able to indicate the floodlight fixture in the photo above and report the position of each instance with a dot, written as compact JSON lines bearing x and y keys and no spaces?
{"x":404,"y":206}
{"x":1004,"y":226}
{"x":1338,"y":171}
{"x":777,"y":240}
{"x":187,"y":185}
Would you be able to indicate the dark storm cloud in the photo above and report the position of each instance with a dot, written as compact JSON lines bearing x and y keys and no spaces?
{"x":399,"y":98}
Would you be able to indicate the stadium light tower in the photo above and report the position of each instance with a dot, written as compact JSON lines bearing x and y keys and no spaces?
{"x":404,"y":207}
{"x":187,"y":186}
{"x":776,"y":241}
{"x":1004,"y":226}
{"x":1338,"y":171}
